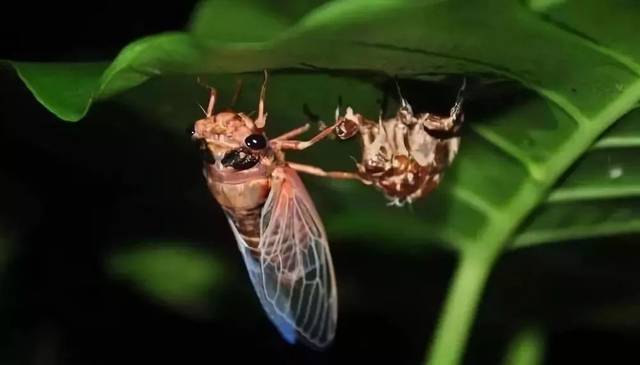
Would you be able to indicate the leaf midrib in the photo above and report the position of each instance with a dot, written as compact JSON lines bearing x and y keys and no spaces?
{"x":528,"y":197}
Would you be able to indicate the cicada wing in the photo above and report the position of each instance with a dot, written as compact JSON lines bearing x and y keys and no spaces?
{"x":261,"y":286}
{"x":292,"y":271}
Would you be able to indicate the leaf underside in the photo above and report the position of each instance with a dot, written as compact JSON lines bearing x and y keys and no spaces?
{"x":574,"y":81}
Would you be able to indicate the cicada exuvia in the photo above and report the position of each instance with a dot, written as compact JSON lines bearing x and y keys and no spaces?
{"x":274,"y":221}
{"x":404,"y":156}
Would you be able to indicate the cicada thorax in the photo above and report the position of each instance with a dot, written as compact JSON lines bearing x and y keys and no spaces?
{"x":237,"y":164}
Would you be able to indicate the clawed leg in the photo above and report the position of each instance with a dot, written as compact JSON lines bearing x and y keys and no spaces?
{"x":262,"y":116}
{"x":344,"y":128}
{"x":212,"y":99}
{"x":438,"y":123}
{"x":313,"y":170}
{"x":212,"y":102}
{"x":451,"y":123}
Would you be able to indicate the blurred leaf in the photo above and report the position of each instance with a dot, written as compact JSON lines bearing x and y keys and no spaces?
{"x":526,"y":348}
{"x":176,"y":275}
{"x":540,"y":5}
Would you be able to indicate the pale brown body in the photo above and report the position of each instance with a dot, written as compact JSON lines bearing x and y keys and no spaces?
{"x":242,"y":200}
{"x":242,"y":194}
{"x":405,"y":156}
{"x":273,"y":219}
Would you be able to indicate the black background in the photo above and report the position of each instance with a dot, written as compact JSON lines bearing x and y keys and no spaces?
{"x":65,"y":182}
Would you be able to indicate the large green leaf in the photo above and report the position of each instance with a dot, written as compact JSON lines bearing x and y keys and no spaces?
{"x":614,"y":34}
{"x":581,"y":79}
{"x":600,"y":194}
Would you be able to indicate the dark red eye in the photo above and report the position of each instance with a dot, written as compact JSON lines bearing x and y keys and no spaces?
{"x":255,"y":141}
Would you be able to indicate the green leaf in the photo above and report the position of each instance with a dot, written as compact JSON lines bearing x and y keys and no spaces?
{"x":387,"y":36}
{"x":615,"y":35}
{"x":66,"y":90}
{"x":69,"y":90}
{"x":599,"y":196}
{"x":173,"y":274}
{"x":246,"y":21}
{"x":585,"y":96}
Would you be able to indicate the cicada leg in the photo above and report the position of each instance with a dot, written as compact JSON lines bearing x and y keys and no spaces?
{"x":450,"y":124}
{"x":261,"y":120}
{"x":287,"y":144}
{"x":212,"y":98}
{"x":314,"y":170}
{"x":292,"y":133}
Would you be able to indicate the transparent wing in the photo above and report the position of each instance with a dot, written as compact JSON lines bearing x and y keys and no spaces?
{"x":292,"y":271}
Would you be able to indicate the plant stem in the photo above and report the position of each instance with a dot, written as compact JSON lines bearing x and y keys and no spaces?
{"x":455,"y":323}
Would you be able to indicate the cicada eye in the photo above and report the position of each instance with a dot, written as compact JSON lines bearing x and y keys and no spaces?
{"x":256,"y":141}
{"x":240,"y":159}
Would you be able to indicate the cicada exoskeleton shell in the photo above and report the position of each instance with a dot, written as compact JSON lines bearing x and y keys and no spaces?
{"x":404,"y":156}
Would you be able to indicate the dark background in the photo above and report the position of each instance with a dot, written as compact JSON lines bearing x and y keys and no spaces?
{"x":64,"y":187}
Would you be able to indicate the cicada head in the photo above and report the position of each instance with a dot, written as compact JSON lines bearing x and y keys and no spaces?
{"x":229,"y":140}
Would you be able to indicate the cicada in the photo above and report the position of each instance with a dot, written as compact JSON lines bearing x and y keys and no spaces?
{"x":273,"y":218}
{"x":404,"y":156}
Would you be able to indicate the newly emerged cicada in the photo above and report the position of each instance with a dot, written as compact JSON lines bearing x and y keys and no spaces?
{"x":404,"y":156}
{"x":274,"y":221}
